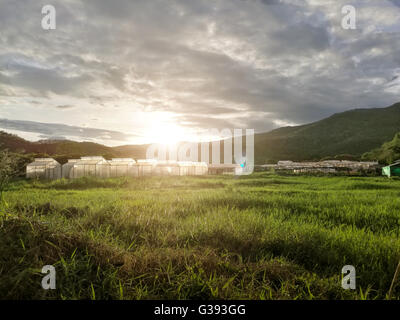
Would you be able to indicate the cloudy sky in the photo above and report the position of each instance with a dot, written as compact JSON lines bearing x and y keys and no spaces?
{"x":138,"y":71}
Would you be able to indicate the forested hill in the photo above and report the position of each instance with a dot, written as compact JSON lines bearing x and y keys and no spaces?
{"x":352,"y":132}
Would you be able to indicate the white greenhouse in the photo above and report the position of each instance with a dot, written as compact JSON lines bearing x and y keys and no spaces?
{"x":200,"y":168}
{"x":123,"y":167}
{"x":179,"y":168}
{"x":145,"y":167}
{"x":68,"y":167}
{"x":48,"y":168}
{"x":189,"y":168}
{"x":186,"y":168}
{"x":44,"y":168}
{"x":90,"y":166}
{"x":166,"y":168}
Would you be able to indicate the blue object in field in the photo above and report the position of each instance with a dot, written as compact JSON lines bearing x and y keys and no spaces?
{"x":392,"y":170}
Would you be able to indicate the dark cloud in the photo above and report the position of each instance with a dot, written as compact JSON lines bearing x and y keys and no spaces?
{"x":301,"y":38}
{"x":43,"y":80}
{"x":61,"y":130}
{"x":269,"y":2}
{"x":64,"y":106}
{"x":212,"y":64}
{"x":395,"y":2}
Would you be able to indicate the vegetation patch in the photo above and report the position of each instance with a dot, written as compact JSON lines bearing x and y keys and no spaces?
{"x":215,"y":237}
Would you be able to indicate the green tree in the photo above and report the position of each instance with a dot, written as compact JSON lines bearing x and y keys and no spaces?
{"x":8,"y":169}
{"x":388,"y":153}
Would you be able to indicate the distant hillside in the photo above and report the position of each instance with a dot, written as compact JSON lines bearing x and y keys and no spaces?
{"x":387,"y":153}
{"x":346,"y":135}
{"x":17,"y":144}
{"x":352,"y":132}
{"x":64,"y":149}
{"x":14,"y":143}
{"x":132,"y":151}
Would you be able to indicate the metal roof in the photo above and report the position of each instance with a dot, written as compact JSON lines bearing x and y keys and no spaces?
{"x":90,"y":162}
{"x":43,"y":162}
{"x":93,"y":158}
{"x":44,"y":159}
{"x":146,"y":161}
{"x":121,"y":161}
{"x":167,"y":164}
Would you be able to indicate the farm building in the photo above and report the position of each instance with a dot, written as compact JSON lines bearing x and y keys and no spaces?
{"x":201,"y":168}
{"x":117,"y":167}
{"x":328,"y":166}
{"x":392,"y":170}
{"x":68,"y":167}
{"x":166,"y":168}
{"x":186,"y":168}
{"x":44,"y":168}
{"x":315,"y":170}
{"x":179,"y":168}
{"x":145,"y":167}
{"x":224,"y":168}
{"x":90,"y":166}
{"x":123,"y":167}
{"x":189,"y":168}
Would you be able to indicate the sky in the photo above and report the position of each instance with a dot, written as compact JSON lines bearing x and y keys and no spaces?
{"x":140,"y":71}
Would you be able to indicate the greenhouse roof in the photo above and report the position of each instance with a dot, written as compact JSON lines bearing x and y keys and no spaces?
{"x":122,"y":161}
{"x":43,"y":162}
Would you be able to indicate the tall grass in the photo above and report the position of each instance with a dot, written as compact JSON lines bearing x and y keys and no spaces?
{"x":214,"y":237}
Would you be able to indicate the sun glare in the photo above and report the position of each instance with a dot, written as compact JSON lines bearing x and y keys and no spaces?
{"x":166,"y":133}
{"x":160,"y":127}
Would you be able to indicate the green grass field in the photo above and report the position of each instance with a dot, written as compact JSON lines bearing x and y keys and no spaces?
{"x":214,"y":237}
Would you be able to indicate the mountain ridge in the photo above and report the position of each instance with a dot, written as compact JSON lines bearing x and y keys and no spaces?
{"x":352,"y":132}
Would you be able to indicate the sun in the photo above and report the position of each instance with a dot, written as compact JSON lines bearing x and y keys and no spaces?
{"x":161,"y":127}
{"x":166,"y":133}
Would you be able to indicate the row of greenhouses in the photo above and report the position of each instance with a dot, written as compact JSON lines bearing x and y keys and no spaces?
{"x":48,"y":168}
